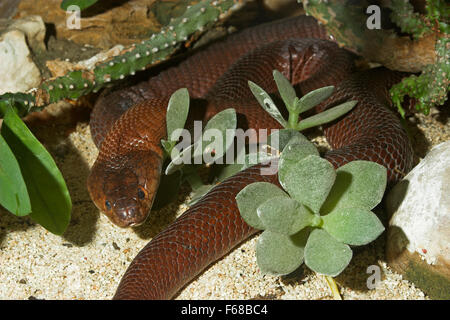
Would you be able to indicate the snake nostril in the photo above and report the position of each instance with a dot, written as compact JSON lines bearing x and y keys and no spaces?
{"x":128,"y":215}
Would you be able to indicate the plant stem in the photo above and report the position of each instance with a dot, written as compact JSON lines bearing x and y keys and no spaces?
{"x":293,"y":120}
{"x":333,"y":287}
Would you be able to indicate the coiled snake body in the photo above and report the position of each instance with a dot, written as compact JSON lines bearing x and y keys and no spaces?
{"x":128,"y":124}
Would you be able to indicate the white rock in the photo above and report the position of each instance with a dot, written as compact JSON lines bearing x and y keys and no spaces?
{"x":33,"y":28}
{"x":424,"y":213}
{"x":419,"y":230}
{"x":18,"y":72}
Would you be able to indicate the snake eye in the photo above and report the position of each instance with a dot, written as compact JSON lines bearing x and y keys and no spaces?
{"x":141,"y":194}
{"x":108,"y":205}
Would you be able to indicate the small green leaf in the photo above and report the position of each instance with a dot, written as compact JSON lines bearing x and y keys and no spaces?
{"x":296,"y":150}
{"x":279,"y":254}
{"x":177,"y":112}
{"x":167,"y":190}
{"x":279,"y":139}
{"x":253,"y":159}
{"x":13,"y":196}
{"x":326,"y":116}
{"x":358,"y":184}
{"x":168,"y":146}
{"x":252,"y":196}
{"x":354,"y":226}
{"x":325,"y":255}
{"x":250,"y":160}
{"x":309,"y":181}
{"x":285,"y":89}
{"x":50,"y":199}
{"x":313,"y":98}
{"x":284,"y":215}
{"x":21,"y":103}
{"x":267,"y":103}
{"x":83,"y":4}
{"x":182,"y":158}
{"x":222,"y":125}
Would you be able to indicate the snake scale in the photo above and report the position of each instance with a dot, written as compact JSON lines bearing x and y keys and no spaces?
{"x":128,"y":124}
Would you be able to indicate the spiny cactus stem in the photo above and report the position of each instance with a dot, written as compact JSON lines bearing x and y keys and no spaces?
{"x":137,"y":57}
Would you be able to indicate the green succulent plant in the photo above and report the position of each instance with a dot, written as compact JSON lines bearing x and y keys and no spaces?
{"x":187,"y":159}
{"x":296,"y":106}
{"x":320,"y":213}
{"x":224,"y":125}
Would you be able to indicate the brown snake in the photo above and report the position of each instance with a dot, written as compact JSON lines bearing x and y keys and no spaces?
{"x":128,"y":124}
